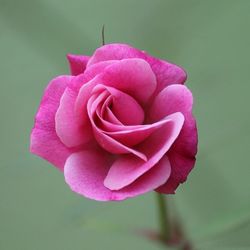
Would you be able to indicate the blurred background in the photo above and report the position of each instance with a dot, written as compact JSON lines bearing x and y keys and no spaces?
{"x":210,"y":39}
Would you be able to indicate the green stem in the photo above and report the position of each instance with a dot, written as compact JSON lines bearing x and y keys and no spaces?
{"x":164,"y":223}
{"x":103,"y":34}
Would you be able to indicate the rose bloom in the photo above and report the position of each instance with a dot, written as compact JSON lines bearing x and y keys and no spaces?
{"x":119,"y":126}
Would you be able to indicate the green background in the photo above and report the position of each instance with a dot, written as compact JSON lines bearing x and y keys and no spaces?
{"x":210,"y":39}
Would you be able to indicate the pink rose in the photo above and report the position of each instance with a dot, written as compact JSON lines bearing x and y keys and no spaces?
{"x":121,"y":125}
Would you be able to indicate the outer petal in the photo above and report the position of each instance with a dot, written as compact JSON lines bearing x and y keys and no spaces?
{"x":182,"y":155}
{"x":127,"y":169}
{"x":115,"y":51}
{"x":181,"y":166}
{"x":166,"y":72}
{"x":77,"y":63}
{"x":85,"y":172}
{"x":44,"y":141}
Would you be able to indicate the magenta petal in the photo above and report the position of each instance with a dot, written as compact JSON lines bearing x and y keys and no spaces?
{"x":109,"y":123}
{"x":150,"y":180}
{"x":181,"y":167}
{"x":183,"y":151}
{"x":47,"y":145}
{"x":166,"y":73}
{"x":103,"y":111}
{"x":133,"y":135}
{"x":178,"y":98}
{"x":105,"y":141}
{"x":82,"y":99}
{"x":115,"y":147}
{"x":72,"y":124}
{"x":132,"y":76}
{"x":85,"y":172}
{"x":115,"y":52}
{"x":89,"y":74}
{"x":44,"y":140}
{"x":127,"y":169}
{"x":84,"y":84}
{"x":95,"y":69}
{"x":110,"y":117}
{"x":68,"y":126}
{"x":141,"y":84}
{"x":124,"y":107}
{"x":77,"y":63}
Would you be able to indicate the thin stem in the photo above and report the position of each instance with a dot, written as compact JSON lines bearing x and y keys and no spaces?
{"x":164,"y":223}
{"x":103,"y":34}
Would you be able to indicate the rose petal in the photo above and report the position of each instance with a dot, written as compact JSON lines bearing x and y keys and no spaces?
{"x":181,"y":167}
{"x":68,"y":127}
{"x":80,"y":107}
{"x":126,"y":169}
{"x":106,"y":113}
{"x":109,"y":123}
{"x":145,"y":183}
{"x":77,"y":63}
{"x":117,"y":75}
{"x":130,"y":135}
{"x":182,"y":153}
{"x":85,"y":172}
{"x":44,"y":141}
{"x":95,"y":69}
{"x":110,"y":117}
{"x":115,"y":52}
{"x":132,"y":76}
{"x":125,"y":108}
{"x":166,"y":73}
{"x":133,"y":135}
{"x":89,"y":74}
{"x":178,"y":98}
{"x":72,"y":123}
{"x":104,"y":140}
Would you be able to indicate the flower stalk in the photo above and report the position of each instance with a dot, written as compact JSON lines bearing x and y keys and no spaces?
{"x":170,"y":231}
{"x":164,"y":222}
{"x":103,"y":34}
